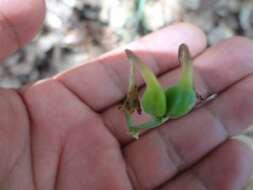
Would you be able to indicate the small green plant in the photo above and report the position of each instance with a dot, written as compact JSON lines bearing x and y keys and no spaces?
{"x":161,"y":104}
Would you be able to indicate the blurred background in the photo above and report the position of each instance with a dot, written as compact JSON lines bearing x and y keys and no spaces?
{"x":77,"y":30}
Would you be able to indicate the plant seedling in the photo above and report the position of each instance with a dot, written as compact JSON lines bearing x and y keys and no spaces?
{"x":161,"y":104}
{"x":181,"y":97}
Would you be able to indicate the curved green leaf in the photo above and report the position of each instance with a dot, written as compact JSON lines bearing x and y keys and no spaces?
{"x":179,"y":102}
{"x":154,"y":98}
{"x":181,"y":98}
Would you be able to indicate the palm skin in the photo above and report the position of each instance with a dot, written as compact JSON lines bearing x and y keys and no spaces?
{"x":67,"y":132}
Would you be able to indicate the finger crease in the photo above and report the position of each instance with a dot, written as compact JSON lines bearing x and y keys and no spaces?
{"x":172,"y":152}
{"x":203,"y":83}
{"x":61,"y":82}
{"x":199,"y":180}
{"x":220,"y":122}
{"x":132,"y":175}
{"x":11,"y":28}
{"x":114,"y":76}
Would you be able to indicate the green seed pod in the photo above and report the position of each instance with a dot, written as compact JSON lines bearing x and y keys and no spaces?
{"x":154,"y":98}
{"x":181,"y":98}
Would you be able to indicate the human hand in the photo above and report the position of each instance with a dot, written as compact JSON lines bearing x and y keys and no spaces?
{"x":66,"y":132}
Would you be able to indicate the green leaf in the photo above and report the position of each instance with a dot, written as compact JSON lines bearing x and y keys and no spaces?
{"x":154,"y":98}
{"x":179,"y":101}
{"x":134,"y":130}
{"x":185,"y":60}
{"x":181,"y":98}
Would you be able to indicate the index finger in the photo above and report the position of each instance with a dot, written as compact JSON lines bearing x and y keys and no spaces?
{"x":103,"y":82}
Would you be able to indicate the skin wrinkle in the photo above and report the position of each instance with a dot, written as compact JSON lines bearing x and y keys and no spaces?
{"x":172,"y":153}
{"x":82,"y":101}
{"x":61,"y":82}
{"x":110,"y":72}
{"x":199,"y":179}
{"x":175,"y":160}
{"x":240,"y":42}
{"x":158,"y":65}
{"x":225,"y":129}
{"x":222,"y":125}
{"x":12,"y":168}
{"x":26,"y":142}
{"x":132,"y":175}
{"x":63,"y":143}
{"x":192,"y":177}
{"x":226,"y":135}
{"x":207,"y":84}
{"x":220,"y":122}
{"x":129,"y":171}
{"x":178,"y":161}
{"x":12,"y":29}
{"x":26,"y":18}
{"x":59,"y":162}
{"x":180,"y":167}
{"x":204,"y":92}
{"x":30,"y":135}
{"x":111,"y":147}
{"x":16,"y":162}
{"x":22,"y":94}
{"x":233,"y":171}
{"x":249,"y":75}
{"x":114,"y":76}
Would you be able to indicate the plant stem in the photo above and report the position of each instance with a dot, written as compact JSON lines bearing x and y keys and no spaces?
{"x":147,"y":125}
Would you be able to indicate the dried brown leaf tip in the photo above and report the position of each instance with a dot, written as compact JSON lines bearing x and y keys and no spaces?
{"x":132,"y":100}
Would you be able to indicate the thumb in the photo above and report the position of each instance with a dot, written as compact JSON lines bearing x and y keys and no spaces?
{"x":19,"y":22}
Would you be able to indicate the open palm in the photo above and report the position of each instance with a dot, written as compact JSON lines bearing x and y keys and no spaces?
{"x":66,"y":132}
